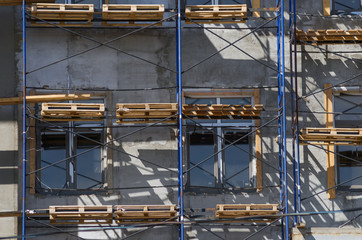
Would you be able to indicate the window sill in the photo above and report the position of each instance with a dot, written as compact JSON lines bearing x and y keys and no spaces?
{"x":215,"y":191}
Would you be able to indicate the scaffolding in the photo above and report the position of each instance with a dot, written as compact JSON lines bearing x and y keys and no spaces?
{"x":175,"y":114}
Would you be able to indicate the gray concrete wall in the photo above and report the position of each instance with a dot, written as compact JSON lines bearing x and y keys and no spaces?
{"x":106,"y":69}
{"x":9,"y":46}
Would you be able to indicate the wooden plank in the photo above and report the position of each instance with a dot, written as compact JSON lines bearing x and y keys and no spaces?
{"x":132,"y":14}
{"x":216,"y":13}
{"x":331,"y":175}
{"x":62,"y":14}
{"x":44,"y":98}
{"x":241,"y":210}
{"x":126,"y":213}
{"x":259,"y":173}
{"x":329,"y":36}
{"x":256,"y":4}
{"x":71,"y":111}
{"x":20,"y":2}
{"x":326,"y":7}
{"x":74,"y":214}
{"x":32,"y":151}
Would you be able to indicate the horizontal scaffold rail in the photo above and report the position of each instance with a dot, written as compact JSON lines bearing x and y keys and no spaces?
{"x":144,"y":213}
{"x":81,"y":214}
{"x":44,"y":98}
{"x":329,"y":36}
{"x":243,"y":210}
{"x":216,"y":13}
{"x":131,"y":14}
{"x":333,"y":136}
{"x":150,"y":112}
{"x":72,"y":111}
{"x":20,"y":2}
{"x":62,"y":14}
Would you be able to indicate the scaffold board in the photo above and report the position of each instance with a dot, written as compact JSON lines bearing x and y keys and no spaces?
{"x":216,"y":13}
{"x":145,"y":112}
{"x":62,"y":14}
{"x":217,"y":111}
{"x":20,"y":2}
{"x":131,"y":14}
{"x":242,"y":210}
{"x":81,"y":214}
{"x":139,"y":213}
{"x":333,"y":136}
{"x":329,"y":36}
{"x":72,"y":111}
{"x":44,"y":98}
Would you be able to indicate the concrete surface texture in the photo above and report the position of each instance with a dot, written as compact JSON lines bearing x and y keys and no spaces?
{"x":120,"y":77}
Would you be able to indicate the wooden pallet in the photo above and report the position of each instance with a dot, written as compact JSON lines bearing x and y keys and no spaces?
{"x":329,"y":36}
{"x":152,"y":112}
{"x":145,"y":112}
{"x":72,"y":111}
{"x":334,"y":136}
{"x":216,"y":13}
{"x":243,"y":210}
{"x":20,"y":2}
{"x":71,"y":15}
{"x":81,"y":214}
{"x":221,"y":111}
{"x":144,"y":213}
{"x":132,"y":14}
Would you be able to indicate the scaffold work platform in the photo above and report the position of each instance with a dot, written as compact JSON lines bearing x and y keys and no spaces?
{"x":72,"y":111}
{"x":243,"y":210}
{"x":81,"y":214}
{"x":329,"y":36}
{"x":150,"y":112}
{"x":131,"y":14}
{"x":144,"y":213}
{"x":62,"y":14}
{"x":333,"y":136}
{"x":216,"y":13}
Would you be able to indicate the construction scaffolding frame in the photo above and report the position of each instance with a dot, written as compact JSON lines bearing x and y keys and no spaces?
{"x":281,"y":117}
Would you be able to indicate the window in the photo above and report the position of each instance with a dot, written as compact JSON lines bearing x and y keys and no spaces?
{"x":346,"y":6}
{"x":214,"y":162}
{"x":348,"y":110}
{"x":80,"y":143}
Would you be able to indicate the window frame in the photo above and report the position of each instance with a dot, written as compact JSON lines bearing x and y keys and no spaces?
{"x":330,"y":9}
{"x":106,"y":154}
{"x":352,"y":188}
{"x":254,"y":141}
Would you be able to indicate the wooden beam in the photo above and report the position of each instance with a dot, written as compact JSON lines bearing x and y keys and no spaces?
{"x":256,"y":4}
{"x":259,"y":173}
{"x":328,"y":101}
{"x":44,"y":98}
{"x":326,"y":7}
{"x":20,"y":2}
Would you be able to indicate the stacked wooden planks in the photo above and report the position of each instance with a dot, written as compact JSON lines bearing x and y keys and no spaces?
{"x":73,"y":214}
{"x":73,"y":111}
{"x":132,"y":14}
{"x":216,"y":13}
{"x":244,"y":210}
{"x":74,"y":15}
{"x":145,"y":213}
{"x":333,"y":136}
{"x":329,"y":36}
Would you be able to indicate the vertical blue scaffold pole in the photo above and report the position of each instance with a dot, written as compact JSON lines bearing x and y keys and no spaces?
{"x":180,"y":130}
{"x":24,"y":126}
{"x":284,"y":139}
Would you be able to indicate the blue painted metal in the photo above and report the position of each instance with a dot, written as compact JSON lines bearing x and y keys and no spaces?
{"x":24,"y":127}
{"x":180,"y":130}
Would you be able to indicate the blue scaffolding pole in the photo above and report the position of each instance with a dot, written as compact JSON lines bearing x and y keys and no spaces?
{"x":294,"y":109}
{"x":283,"y":165}
{"x":180,"y":130}
{"x":24,"y":127}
